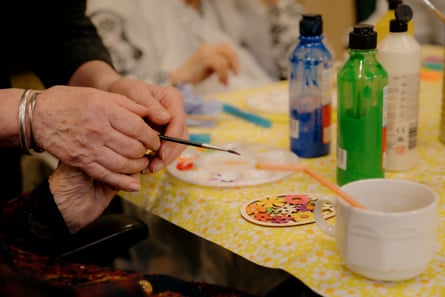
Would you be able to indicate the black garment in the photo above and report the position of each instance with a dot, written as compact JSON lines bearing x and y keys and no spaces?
{"x":25,"y":273}
{"x":33,"y":221}
{"x":52,"y":38}
{"x":11,"y":173}
{"x":32,"y":228}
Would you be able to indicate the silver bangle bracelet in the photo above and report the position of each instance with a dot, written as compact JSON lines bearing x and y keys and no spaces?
{"x":22,"y":119}
{"x":26,"y":137}
{"x":33,"y":147}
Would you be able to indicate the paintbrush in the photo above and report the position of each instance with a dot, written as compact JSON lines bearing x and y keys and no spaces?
{"x":294,"y":167}
{"x":197,"y":144}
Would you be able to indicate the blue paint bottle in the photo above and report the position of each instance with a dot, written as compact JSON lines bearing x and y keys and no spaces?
{"x":310,"y":86}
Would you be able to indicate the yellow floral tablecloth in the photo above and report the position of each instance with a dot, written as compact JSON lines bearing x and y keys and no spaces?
{"x":304,"y":251}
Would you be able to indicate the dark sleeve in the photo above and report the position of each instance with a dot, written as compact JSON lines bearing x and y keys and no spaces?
{"x":32,"y":220}
{"x":60,"y":38}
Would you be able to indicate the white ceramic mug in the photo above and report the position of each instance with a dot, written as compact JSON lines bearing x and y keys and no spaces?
{"x":394,"y":238}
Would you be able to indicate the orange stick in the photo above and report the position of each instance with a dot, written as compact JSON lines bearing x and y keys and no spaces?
{"x":435,"y":10}
{"x":293,"y":167}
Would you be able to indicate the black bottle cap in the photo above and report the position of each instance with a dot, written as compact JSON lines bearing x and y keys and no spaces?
{"x":311,"y":25}
{"x":392,"y":4}
{"x":403,"y":14}
{"x":363,"y":36}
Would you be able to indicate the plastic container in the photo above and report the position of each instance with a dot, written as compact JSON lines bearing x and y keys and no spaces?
{"x":382,"y":25}
{"x":310,"y":85}
{"x":400,"y":55}
{"x":361,"y":85}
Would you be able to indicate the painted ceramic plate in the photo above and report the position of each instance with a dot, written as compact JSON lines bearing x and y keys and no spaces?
{"x":284,"y":210}
{"x":273,"y":101}
{"x":221,"y":169}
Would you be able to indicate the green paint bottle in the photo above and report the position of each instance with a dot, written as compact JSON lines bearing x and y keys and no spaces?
{"x":361,"y":113}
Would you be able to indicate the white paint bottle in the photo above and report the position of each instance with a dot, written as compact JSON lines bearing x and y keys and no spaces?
{"x":400,"y":55}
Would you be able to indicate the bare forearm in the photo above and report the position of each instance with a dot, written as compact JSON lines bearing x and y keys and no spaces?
{"x":9,"y":123}
{"x":95,"y":74}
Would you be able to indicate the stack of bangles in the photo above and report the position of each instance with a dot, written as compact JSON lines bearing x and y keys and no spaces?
{"x":26,"y":108}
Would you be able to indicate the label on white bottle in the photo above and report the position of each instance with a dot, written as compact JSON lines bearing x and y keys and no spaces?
{"x":402,"y":116}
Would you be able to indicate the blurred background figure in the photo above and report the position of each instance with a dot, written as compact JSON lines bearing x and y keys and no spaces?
{"x":268,"y":29}
{"x":178,"y":41}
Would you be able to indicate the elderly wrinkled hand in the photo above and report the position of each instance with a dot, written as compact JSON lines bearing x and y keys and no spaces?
{"x":206,"y":60}
{"x":79,"y":198}
{"x":166,"y":115}
{"x":102,"y":133}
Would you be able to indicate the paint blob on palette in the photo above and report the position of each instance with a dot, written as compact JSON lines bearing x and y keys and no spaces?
{"x":284,"y":210}
{"x":220,"y":169}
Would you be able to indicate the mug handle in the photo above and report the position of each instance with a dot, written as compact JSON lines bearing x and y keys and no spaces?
{"x":321,"y":221}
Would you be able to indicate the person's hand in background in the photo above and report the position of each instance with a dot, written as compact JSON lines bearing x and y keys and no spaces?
{"x":208,"y":59}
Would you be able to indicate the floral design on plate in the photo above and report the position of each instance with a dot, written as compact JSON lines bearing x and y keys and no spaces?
{"x":284,"y":210}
